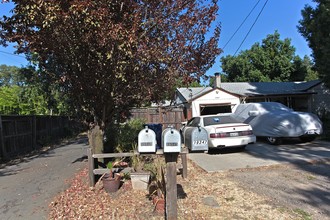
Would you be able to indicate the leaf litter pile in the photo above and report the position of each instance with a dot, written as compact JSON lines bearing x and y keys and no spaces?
{"x":200,"y":196}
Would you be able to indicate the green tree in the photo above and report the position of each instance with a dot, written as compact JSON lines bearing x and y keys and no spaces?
{"x":9,"y":99}
{"x":272,"y":60}
{"x":315,"y":27}
{"x":41,"y":96}
{"x":110,"y":55}
{"x":33,"y":102}
{"x":9,"y":75}
{"x":24,"y":91}
{"x":303,"y":69}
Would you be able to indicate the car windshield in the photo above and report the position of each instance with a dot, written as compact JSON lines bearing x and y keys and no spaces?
{"x":215,"y":120}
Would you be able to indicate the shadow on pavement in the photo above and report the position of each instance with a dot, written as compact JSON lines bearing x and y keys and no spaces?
{"x":230,"y":150}
{"x":42,"y":152}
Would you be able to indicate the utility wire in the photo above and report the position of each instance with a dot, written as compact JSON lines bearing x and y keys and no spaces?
{"x":11,"y":54}
{"x":241,"y":24}
{"x":251,"y":26}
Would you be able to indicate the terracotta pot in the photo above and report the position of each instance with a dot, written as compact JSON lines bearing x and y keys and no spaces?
{"x":159,"y":204}
{"x":111,"y":184}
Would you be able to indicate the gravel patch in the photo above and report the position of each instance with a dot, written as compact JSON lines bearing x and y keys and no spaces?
{"x":302,"y":188}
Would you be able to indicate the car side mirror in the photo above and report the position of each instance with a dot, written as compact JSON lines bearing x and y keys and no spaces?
{"x":253,"y":113}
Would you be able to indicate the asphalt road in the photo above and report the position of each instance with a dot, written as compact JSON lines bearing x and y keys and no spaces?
{"x":262,"y":154}
{"x":27,"y":187}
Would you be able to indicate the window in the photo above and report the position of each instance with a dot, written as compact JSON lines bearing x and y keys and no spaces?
{"x":215,"y":120}
{"x":215,"y":109}
{"x":194,"y":122}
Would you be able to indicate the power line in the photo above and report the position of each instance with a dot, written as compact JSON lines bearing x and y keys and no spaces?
{"x":241,"y":24}
{"x":11,"y":54}
{"x":251,"y":26}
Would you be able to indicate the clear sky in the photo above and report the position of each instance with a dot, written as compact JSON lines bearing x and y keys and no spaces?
{"x":280,"y":15}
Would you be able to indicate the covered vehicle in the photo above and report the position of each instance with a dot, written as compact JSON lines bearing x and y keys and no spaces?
{"x":276,"y":121}
{"x":223,"y":130}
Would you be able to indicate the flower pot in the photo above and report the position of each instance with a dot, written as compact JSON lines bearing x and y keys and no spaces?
{"x":140,"y":181}
{"x":159,"y":204}
{"x":111,"y":184}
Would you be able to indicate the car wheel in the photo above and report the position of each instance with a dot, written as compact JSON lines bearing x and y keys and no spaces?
{"x":308,"y":138}
{"x":274,"y":140}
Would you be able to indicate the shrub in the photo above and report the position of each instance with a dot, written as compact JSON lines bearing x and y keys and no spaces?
{"x":128,"y":135}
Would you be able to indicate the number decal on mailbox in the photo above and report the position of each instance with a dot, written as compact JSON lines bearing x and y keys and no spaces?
{"x":199,"y":142}
{"x":171,"y":144}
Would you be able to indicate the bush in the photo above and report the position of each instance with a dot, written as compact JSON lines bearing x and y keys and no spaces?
{"x":128,"y":135}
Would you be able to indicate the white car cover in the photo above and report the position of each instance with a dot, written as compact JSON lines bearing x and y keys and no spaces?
{"x":272,"y":119}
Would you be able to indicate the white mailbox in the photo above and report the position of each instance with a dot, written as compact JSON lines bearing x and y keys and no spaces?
{"x":147,"y":141}
{"x":198,"y":139}
{"x":171,"y":141}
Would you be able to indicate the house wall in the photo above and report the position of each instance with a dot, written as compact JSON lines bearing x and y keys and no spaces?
{"x":320,"y":102}
{"x":214,"y":97}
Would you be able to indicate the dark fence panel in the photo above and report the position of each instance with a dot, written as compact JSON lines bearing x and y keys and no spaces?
{"x":17,"y":135}
{"x":22,"y":134}
{"x":165,"y":116}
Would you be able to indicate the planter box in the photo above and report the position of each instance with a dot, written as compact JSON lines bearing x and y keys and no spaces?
{"x":140,"y":181}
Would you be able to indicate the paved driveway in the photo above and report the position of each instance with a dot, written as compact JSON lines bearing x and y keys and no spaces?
{"x":262,"y":154}
{"x":27,"y":188}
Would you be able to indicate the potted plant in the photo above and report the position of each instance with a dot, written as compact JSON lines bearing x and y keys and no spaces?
{"x":111,"y":180}
{"x":140,"y":177}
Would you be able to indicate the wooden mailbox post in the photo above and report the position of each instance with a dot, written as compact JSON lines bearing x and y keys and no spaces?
{"x":171,"y":143}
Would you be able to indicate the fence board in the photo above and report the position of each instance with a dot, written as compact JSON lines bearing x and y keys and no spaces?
{"x":2,"y":144}
{"x":17,"y":134}
{"x":165,"y":116}
{"x":20,"y":134}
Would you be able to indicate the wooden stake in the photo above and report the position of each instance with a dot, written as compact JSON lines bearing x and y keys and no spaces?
{"x":171,"y":186}
{"x":184,"y":165}
{"x":90,"y":167}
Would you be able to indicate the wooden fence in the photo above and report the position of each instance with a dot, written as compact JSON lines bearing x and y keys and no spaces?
{"x":165,"y":116}
{"x":22,"y":134}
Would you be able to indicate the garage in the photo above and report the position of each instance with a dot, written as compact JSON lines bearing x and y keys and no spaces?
{"x":210,"y":109}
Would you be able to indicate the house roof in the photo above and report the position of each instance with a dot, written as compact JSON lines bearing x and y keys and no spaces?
{"x":249,"y":89}
{"x":193,"y":92}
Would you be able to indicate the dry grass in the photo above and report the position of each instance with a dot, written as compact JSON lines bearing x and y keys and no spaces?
{"x":228,"y":200}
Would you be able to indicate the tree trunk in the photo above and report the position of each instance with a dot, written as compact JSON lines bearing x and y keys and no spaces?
{"x":95,"y":139}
